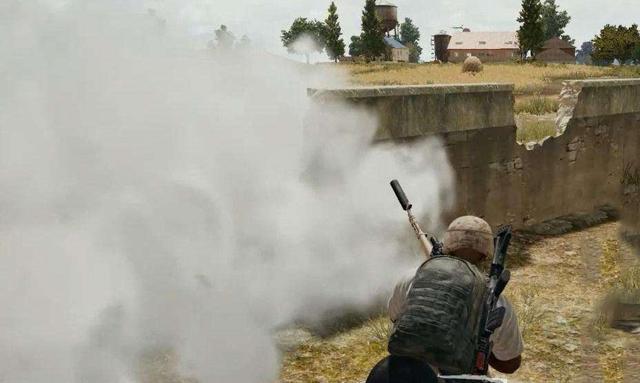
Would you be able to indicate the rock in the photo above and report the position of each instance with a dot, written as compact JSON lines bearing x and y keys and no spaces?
{"x":570,"y":347}
{"x":552,"y":227}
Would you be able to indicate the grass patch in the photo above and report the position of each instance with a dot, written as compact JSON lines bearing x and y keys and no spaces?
{"x":625,"y":71}
{"x":537,"y":105}
{"x":160,"y":366}
{"x":627,"y":289}
{"x":529,"y":310}
{"x":572,"y":75}
{"x":534,"y":130}
{"x":612,"y":361}
{"x":609,"y":263}
{"x":527,"y":78}
{"x":346,"y":357}
{"x":380,"y":328}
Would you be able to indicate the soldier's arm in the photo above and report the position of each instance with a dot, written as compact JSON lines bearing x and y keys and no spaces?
{"x":507,"y":343}
{"x":505,"y":366}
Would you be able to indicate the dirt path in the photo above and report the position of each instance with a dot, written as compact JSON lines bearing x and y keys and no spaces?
{"x":557,"y":283}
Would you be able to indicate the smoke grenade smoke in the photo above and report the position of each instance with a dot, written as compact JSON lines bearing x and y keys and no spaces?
{"x":158,"y":197}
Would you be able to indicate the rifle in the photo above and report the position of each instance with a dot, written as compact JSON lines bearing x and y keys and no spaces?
{"x":430,"y":245}
{"x":492,"y":317}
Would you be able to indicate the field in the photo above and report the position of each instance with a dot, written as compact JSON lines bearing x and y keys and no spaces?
{"x":529,"y":79}
{"x":537,"y":86}
{"x":558,"y":284}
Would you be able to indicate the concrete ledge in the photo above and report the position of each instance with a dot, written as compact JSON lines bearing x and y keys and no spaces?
{"x":406,"y":90}
{"x":413,"y":111}
{"x":606,"y":97}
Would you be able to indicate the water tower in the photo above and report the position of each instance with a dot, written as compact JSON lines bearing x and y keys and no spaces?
{"x":388,"y":14}
{"x":441,"y":45}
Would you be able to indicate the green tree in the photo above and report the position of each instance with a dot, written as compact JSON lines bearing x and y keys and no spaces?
{"x":555,"y":21}
{"x":372,"y":37}
{"x":606,"y":45}
{"x":613,"y":43}
{"x":636,"y":54}
{"x":224,"y":38}
{"x":335,"y":44}
{"x":355,"y":48}
{"x":531,"y":32}
{"x":410,"y":36}
{"x":632,"y":44}
{"x":304,"y":37}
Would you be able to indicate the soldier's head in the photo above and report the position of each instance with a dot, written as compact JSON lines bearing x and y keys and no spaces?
{"x":469,"y":238}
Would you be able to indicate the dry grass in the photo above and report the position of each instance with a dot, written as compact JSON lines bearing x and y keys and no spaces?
{"x":528,"y":79}
{"x":345,"y":358}
{"x":533,"y":129}
{"x":160,"y":366}
{"x":537,"y":105}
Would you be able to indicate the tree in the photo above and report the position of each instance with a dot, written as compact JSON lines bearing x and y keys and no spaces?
{"x":304,"y":37}
{"x":531,"y":32}
{"x":410,"y":36}
{"x":372,"y":37}
{"x":355,"y":48}
{"x":619,"y":43}
{"x":224,"y":38}
{"x":636,"y":54}
{"x":605,"y":45}
{"x":583,"y":55}
{"x":632,"y":44}
{"x":335,"y":44}
{"x":555,"y":21}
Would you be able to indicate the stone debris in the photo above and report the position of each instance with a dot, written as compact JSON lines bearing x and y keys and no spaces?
{"x":574,"y":222}
{"x":568,"y":101}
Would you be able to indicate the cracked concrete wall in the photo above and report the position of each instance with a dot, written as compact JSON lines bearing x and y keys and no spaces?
{"x":578,"y":171}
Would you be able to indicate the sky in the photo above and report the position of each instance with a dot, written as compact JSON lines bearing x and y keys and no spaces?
{"x":262,"y":20}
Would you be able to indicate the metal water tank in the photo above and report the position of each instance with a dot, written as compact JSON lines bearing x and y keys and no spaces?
{"x":441,"y":46}
{"x":388,"y":14}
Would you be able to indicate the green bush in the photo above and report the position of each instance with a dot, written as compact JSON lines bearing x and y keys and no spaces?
{"x":535,"y":130}
{"x":537,"y":105}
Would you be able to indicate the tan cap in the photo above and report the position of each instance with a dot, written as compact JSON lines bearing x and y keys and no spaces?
{"x":469,"y":232}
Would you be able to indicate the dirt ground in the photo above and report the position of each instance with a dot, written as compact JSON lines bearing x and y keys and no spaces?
{"x":557,"y":286}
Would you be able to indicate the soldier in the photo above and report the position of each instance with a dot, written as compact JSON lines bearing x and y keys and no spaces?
{"x":471,"y":239}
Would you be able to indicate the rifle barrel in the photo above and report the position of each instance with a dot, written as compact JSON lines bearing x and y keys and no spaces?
{"x":402,"y":198}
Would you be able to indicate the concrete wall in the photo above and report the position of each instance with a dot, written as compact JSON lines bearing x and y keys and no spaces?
{"x":593,"y":163}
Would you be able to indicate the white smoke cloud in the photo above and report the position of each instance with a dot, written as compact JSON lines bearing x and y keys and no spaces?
{"x":155,"y":197}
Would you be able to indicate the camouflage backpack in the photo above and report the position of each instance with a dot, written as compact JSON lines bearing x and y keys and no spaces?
{"x":441,"y":322}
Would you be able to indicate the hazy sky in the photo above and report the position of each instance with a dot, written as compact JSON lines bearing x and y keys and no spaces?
{"x":262,"y":20}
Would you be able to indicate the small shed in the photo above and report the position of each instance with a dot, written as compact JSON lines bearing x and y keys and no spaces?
{"x":395,"y":50}
{"x":557,"y":50}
